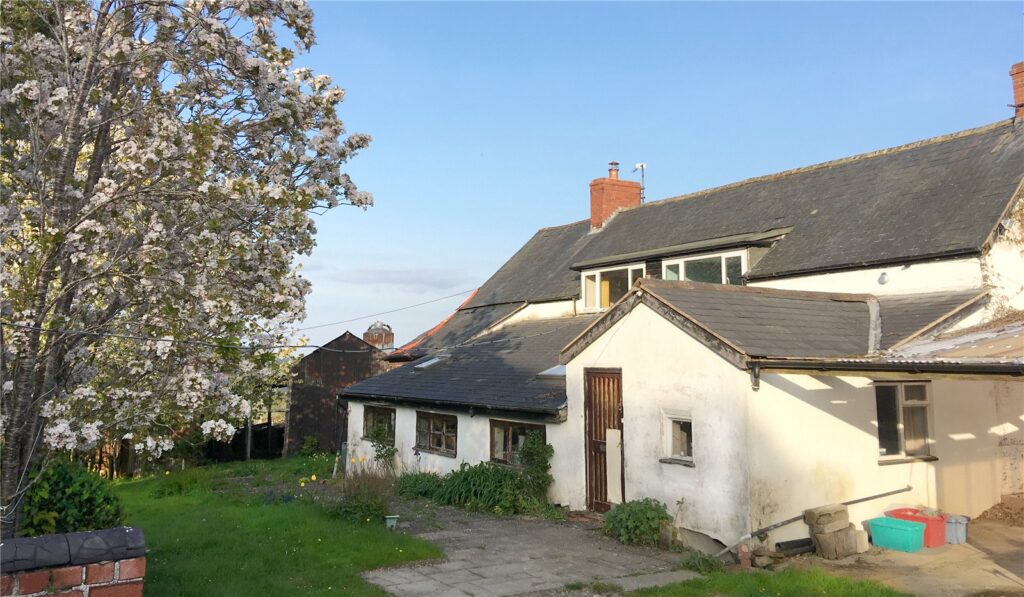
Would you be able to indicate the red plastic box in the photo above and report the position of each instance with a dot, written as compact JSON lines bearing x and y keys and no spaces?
{"x":934,"y":526}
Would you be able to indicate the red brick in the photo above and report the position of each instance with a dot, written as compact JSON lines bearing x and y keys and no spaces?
{"x":133,"y":568}
{"x":69,"y":594}
{"x":33,"y":582}
{"x":69,"y":576}
{"x":128,"y":589}
{"x":96,"y":573}
{"x":6,"y":585}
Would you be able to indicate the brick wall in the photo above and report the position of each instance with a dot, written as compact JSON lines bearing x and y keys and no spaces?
{"x":119,"y":578}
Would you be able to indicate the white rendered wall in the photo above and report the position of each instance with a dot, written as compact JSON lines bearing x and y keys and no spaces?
{"x":1004,"y":270}
{"x":931,"y":276}
{"x":664,"y":368}
{"x":473,"y":444}
{"x":813,"y":441}
{"x":549,"y":310}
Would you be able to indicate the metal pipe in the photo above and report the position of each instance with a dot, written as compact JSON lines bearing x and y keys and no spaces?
{"x":800,"y":517}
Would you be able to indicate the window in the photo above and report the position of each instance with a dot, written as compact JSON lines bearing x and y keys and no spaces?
{"x":379,"y":417}
{"x":507,"y":437}
{"x":437,"y":433}
{"x":678,"y":439}
{"x":601,"y":289}
{"x":727,"y":268}
{"x":902,"y":419}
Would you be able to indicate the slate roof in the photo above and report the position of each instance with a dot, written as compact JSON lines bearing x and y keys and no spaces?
{"x":496,"y":371}
{"x":759,"y":322}
{"x":770,"y":322}
{"x":907,"y":315}
{"x":939,"y":197}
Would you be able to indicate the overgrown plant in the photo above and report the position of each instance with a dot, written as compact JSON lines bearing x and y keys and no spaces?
{"x":365,"y":497}
{"x":419,"y":485}
{"x":384,"y":450}
{"x":67,"y":498}
{"x":310,"y":446}
{"x":700,"y":562}
{"x":637,"y":522}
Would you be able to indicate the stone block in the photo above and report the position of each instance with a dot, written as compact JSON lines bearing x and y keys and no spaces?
{"x":862,"y":542}
{"x":836,"y":545}
{"x":830,"y":527}
{"x":823,"y":515}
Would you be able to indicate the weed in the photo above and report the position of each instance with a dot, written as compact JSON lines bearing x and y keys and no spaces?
{"x":637,"y":522}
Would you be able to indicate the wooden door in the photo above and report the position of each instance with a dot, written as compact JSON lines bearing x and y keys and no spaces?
{"x":602,"y":411}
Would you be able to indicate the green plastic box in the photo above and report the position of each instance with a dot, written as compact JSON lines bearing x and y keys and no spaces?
{"x":894,"y":533}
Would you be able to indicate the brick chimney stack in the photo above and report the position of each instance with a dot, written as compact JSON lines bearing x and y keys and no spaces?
{"x":379,"y":335}
{"x":609,"y":195}
{"x":1017,"y":75}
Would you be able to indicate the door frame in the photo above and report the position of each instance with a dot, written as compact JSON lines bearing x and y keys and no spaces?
{"x":591,"y":500}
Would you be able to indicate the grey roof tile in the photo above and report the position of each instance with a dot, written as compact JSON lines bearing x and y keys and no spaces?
{"x":497,"y":370}
{"x":905,"y":315}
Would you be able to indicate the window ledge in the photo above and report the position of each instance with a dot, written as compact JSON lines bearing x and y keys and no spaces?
{"x":884,"y":462}
{"x":445,"y":453}
{"x":680,"y":461}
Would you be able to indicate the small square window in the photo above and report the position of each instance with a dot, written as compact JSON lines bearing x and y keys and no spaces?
{"x":682,"y":439}
{"x":902,"y":410}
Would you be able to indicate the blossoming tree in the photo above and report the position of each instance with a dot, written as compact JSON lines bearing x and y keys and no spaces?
{"x":160,"y":161}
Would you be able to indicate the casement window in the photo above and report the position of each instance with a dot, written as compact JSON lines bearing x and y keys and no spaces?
{"x":903,"y":419}
{"x":379,"y":418}
{"x":678,"y":438}
{"x":724,"y":268}
{"x":437,"y":433}
{"x":507,"y":437}
{"x":602,"y":288}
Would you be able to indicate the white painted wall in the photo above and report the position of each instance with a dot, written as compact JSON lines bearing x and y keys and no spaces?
{"x":932,"y":276}
{"x":473,"y":440}
{"x":664,"y":368}
{"x":1003,"y":268}
{"x":549,"y":310}
{"x":813,"y":441}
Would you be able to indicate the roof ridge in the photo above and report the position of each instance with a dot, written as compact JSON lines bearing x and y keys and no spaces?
{"x":542,"y":229}
{"x":836,"y":162}
{"x":781,"y":292}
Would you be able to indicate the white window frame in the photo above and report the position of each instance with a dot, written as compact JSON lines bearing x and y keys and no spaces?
{"x":681,"y":262}
{"x":900,"y":403}
{"x":670,"y":418}
{"x":630,"y":267}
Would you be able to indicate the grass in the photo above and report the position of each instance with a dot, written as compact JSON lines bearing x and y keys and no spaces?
{"x":251,"y":529}
{"x":787,"y":583}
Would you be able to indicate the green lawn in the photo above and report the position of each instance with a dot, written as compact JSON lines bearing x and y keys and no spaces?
{"x":787,"y":583}
{"x":250,"y":529}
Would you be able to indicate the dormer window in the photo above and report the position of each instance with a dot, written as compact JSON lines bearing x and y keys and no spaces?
{"x":601,"y":288}
{"x":723,"y":268}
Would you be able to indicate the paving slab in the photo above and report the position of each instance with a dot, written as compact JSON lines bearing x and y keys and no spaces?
{"x":496,"y":556}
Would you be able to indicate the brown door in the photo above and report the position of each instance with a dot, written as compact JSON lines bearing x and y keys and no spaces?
{"x":602,"y":411}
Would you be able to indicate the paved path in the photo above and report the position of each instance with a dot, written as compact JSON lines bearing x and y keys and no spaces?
{"x":488,"y":555}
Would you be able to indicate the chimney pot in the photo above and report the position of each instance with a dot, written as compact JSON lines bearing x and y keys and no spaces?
{"x":610,"y":195}
{"x":1017,"y":76}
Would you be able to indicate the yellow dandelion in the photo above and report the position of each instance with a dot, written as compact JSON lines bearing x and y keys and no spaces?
{"x":362,"y":459}
{"x":302,"y":483}
{"x":313,"y":478}
{"x":167,"y":472}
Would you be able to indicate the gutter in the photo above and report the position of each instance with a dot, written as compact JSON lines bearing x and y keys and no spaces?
{"x":552,"y":415}
{"x":1011,"y":369}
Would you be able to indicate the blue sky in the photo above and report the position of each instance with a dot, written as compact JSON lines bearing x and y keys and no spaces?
{"x":490,"y":119}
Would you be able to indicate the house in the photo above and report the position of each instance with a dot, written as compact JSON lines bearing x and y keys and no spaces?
{"x":318,"y":378}
{"x":847,"y":330}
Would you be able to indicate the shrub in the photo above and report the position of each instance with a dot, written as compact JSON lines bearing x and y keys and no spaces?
{"x":637,"y":522}
{"x":419,"y":485}
{"x":488,"y":488}
{"x":700,"y":562}
{"x":535,"y":457}
{"x":384,"y":450}
{"x":66,"y":498}
{"x":365,"y":498}
{"x":310,"y":446}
